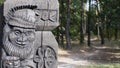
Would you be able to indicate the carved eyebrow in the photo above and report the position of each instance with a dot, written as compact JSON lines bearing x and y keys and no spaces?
{"x":17,"y":28}
{"x":22,"y":29}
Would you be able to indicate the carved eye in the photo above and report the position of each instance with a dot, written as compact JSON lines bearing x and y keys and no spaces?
{"x":45,"y":15}
{"x":29,"y":33}
{"x":17,"y":32}
{"x":53,"y":16}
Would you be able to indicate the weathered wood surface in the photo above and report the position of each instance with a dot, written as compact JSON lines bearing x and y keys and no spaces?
{"x":27,"y":40}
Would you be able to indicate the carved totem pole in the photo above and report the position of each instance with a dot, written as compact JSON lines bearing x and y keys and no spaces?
{"x":27,"y":38}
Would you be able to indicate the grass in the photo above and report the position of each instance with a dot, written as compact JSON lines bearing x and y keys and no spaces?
{"x":1,"y":1}
{"x":101,"y":66}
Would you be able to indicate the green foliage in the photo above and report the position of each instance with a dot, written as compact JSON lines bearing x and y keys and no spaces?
{"x":109,"y":11}
{"x":1,"y":1}
{"x":101,"y":66}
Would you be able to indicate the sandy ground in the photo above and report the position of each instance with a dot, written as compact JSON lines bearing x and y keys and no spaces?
{"x":87,"y":56}
{"x":70,"y":61}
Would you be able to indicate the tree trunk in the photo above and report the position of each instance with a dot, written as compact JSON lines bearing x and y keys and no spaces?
{"x":58,"y":35}
{"x":101,"y":35}
{"x":116,"y":33}
{"x":61,"y":35}
{"x":68,"y":42}
{"x":61,"y":25}
{"x":81,"y":23}
{"x":89,"y":26}
{"x":108,"y":29}
{"x":100,"y":23}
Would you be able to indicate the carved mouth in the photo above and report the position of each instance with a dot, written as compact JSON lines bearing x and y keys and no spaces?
{"x":21,"y":44}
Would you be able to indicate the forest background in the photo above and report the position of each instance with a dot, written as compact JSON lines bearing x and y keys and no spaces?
{"x":82,"y":20}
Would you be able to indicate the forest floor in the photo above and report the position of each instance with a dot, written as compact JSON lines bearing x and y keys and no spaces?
{"x":81,"y":56}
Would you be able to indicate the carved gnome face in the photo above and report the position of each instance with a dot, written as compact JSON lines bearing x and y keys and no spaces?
{"x":22,"y":27}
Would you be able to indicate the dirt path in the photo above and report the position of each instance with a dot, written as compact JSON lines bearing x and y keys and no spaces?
{"x":67,"y":60}
{"x":84,"y":56}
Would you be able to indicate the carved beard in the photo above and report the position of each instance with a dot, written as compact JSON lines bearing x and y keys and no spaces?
{"x":13,"y":50}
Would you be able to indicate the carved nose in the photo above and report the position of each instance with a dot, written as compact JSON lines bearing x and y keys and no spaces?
{"x":22,"y":38}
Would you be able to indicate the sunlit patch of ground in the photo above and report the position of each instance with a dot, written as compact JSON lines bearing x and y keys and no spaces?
{"x":97,"y":55}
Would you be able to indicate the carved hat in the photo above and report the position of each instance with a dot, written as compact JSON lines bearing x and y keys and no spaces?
{"x":32,"y":4}
{"x":23,"y":18}
{"x":14,"y":6}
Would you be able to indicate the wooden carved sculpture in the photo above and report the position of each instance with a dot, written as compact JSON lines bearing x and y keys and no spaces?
{"x":27,"y":38}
